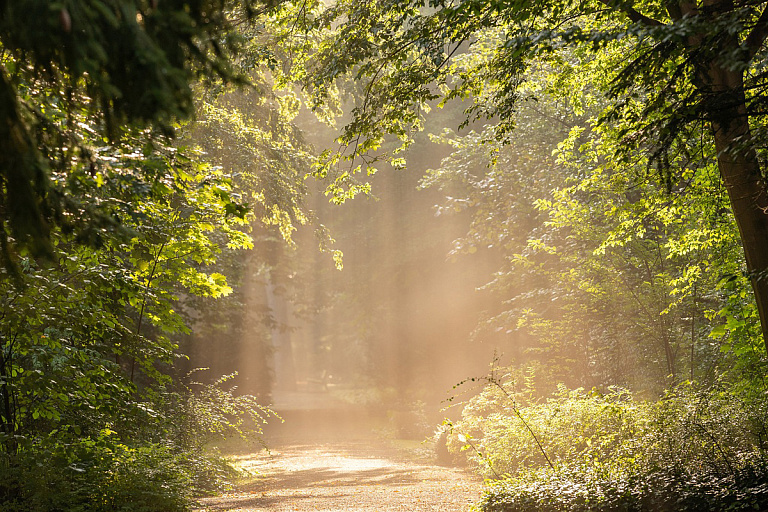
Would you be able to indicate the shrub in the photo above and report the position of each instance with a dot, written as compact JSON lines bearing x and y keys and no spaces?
{"x":584,"y":489}
{"x":156,"y":460}
{"x":693,"y":449}
{"x":502,"y":436}
{"x":96,"y":475}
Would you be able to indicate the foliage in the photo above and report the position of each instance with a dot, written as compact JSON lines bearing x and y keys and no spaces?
{"x":251,"y":135}
{"x":116,"y":62}
{"x":212,"y":413}
{"x":96,"y":474}
{"x":695,"y":449}
{"x":607,"y":278}
{"x":677,"y":89}
{"x":111,"y":234}
{"x":406,"y":56}
{"x":158,"y":462}
{"x":616,"y":210}
{"x":578,"y":180}
{"x":611,"y":268}
{"x":620,"y":248}
{"x":586,"y":489}
{"x":87,"y":339}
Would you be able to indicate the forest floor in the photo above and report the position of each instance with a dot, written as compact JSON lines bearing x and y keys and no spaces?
{"x":328,"y":460}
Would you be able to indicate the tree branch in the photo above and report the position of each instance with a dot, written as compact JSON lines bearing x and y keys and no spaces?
{"x":632,"y":14}
{"x":756,"y":38}
{"x":674,"y":10}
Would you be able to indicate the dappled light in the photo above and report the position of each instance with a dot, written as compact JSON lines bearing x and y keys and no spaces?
{"x":449,"y":255}
{"x":356,"y":478}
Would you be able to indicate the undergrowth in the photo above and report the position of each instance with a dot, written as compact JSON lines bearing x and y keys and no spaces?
{"x":692,"y":450}
{"x":156,"y":459}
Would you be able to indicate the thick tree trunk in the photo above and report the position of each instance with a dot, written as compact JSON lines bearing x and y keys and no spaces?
{"x":741,"y":174}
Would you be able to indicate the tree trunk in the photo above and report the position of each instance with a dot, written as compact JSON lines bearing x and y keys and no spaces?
{"x":741,"y":174}
{"x":8,"y":413}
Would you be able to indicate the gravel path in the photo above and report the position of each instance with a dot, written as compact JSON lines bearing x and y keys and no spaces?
{"x":329,"y":457}
{"x":347,"y":476}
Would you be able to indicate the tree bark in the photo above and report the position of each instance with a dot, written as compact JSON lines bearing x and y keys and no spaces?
{"x":8,"y":413}
{"x":741,"y":174}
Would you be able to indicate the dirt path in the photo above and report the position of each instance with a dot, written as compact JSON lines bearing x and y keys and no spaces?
{"x":347,"y":476}
{"x":327,"y":456}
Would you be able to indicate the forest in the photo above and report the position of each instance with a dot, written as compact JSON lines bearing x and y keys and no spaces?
{"x":532,"y":234}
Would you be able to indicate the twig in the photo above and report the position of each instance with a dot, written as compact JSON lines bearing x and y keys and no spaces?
{"x":491,"y":379}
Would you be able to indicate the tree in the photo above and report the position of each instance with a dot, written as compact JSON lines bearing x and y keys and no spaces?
{"x":606,"y":278}
{"x":119,"y":61}
{"x":110,"y":231}
{"x":686,"y":65}
{"x":86,"y":340}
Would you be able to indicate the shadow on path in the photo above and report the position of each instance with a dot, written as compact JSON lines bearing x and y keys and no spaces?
{"x":332,"y":460}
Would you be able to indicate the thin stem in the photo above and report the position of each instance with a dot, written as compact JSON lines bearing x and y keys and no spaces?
{"x":144,"y":302}
{"x":493,"y":380}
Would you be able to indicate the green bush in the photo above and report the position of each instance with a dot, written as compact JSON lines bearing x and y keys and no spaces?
{"x":501,"y":434}
{"x":693,"y":449}
{"x":583,"y":489}
{"x":155,"y":460}
{"x":95,"y":476}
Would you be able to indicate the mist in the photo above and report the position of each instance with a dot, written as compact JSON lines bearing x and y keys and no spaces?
{"x":383,"y":341}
